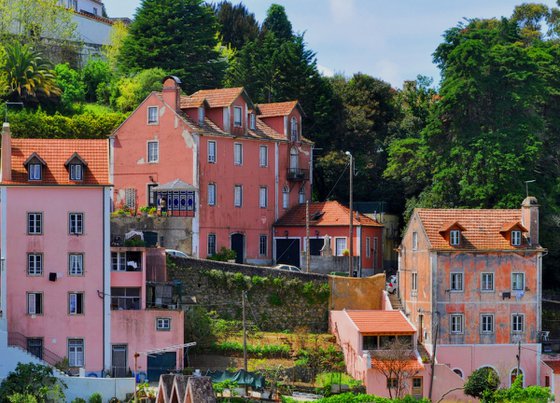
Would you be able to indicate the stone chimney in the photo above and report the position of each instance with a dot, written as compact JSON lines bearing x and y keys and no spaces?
{"x":6,"y":156}
{"x":530,"y":218}
{"x":172,"y":92}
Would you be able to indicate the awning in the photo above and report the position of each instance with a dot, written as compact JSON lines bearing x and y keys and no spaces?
{"x":175,"y":186}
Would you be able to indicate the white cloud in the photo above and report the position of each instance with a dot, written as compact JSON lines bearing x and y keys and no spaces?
{"x":342,"y":10}
{"x":325,"y":71}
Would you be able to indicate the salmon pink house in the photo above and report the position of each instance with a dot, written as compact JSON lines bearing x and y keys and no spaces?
{"x":231,"y":166}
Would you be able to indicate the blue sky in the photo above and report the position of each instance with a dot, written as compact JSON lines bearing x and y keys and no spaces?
{"x":391,"y":40}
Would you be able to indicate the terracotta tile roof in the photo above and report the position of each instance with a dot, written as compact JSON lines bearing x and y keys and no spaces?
{"x":217,"y":98}
{"x":277,"y":108}
{"x":55,"y":153}
{"x":330,"y":213}
{"x":555,"y":365}
{"x":193,"y":101}
{"x":411,"y":365}
{"x":380,"y":322}
{"x":482,"y":227}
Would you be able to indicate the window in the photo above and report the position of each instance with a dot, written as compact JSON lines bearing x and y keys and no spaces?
{"x":340,"y":244}
{"x":211,"y":244}
{"x":294,"y":160}
{"x":454,"y":237}
{"x":35,"y":264}
{"x":263,"y":156}
{"x":375,"y":245}
{"x":238,"y":154}
{"x":152,"y":200}
{"x":456,"y":324}
{"x":76,"y":303}
{"x":487,"y":282}
{"x":516,"y":238}
{"x":76,"y":172}
{"x":414,"y":281}
{"x":392,"y":383}
{"x":34,"y":223}
{"x":153,"y":151}
{"x":211,"y":194}
{"x":417,"y":382}
{"x":201,"y":116}
{"x":152,"y":115}
{"x":294,"y":131}
{"x":263,"y":245}
{"x":486,"y":323}
{"x":517,"y":323}
{"x":518,"y":281}
{"x":125,"y":298}
{"x":76,"y":264}
{"x":212,"y":152}
{"x":130,"y":197}
{"x":34,"y":172}
{"x":458,"y":372}
{"x":118,"y":261}
{"x":456,"y":281}
{"x":414,"y":240}
{"x":76,"y":352}
{"x":301,"y":196}
{"x":253,"y":119}
{"x":76,"y":223}
{"x":237,"y":116}
{"x":237,"y":195}
{"x":368,"y":247}
{"x":514,"y":373}
{"x":263,"y":197}
{"x":163,"y":324}
{"x":34,"y":303}
{"x":285,"y":198}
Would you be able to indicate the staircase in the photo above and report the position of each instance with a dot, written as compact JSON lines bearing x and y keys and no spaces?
{"x":18,"y":341}
{"x":395,"y":302}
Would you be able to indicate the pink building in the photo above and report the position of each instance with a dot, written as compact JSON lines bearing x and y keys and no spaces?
{"x":240,"y":166}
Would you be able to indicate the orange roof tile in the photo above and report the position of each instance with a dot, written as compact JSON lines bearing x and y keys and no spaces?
{"x":482,"y":227}
{"x":555,"y":365}
{"x":277,"y":108}
{"x":193,"y":101}
{"x":411,"y":365}
{"x":508,"y":226}
{"x":55,"y":153}
{"x":217,"y":98}
{"x":378,"y":322}
{"x":330,"y":213}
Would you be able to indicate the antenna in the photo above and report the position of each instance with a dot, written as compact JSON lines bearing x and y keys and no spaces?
{"x":527,"y":186}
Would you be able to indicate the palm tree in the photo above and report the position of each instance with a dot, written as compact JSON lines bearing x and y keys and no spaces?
{"x":29,"y":75}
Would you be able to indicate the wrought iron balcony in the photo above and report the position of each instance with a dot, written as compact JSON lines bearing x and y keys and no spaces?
{"x":298,"y":175}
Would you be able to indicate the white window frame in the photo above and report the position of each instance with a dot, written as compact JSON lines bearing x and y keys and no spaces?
{"x":238,"y":196}
{"x":486,"y":286}
{"x":212,"y":152}
{"x":263,"y":245}
{"x":211,"y":244}
{"x":514,"y":282}
{"x":153,"y":118}
{"x":76,"y":172}
{"x":515,"y":238}
{"x":35,"y":223}
{"x":263,"y":197}
{"x":336,"y":243}
{"x":75,"y":223}
{"x":118,"y":261}
{"x":237,"y":154}
{"x":76,"y":353}
{"x":487,"y":323}
{"x":211,"y":194}
{"x":201,"y":114}
{"x":368,"y":247}
{"x":237,"y":113}
{"x":263,"y":156}
{"x":75,"y":264}
{"x":253,"y":121}
{"x":32,"y":303}
{"x":454,"y":278}
{"x":153,"y":151}
{"x":285,"y":198}
{"x":517,"y":323}
{"x":414,"y":281}
{"x":454,"y":237}
{"x":415,"y":240}
{"x":163,"y":324}
{"x":35,"y":171}
{"x":294,"y":132}
{"x":34,"y":264}
{"x":301,"y":196}
{"x":456,"y":321}
{"x":73,"y":303}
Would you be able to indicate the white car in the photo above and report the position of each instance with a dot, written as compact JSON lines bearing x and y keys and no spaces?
{"x":176,"y":253}
{"x":287,"y":267}
{"x":392,"y":284}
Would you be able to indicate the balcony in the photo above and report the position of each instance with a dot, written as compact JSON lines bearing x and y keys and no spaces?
{"x":297,"y":174}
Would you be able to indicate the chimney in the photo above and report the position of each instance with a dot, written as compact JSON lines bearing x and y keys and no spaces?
{"x":6,"y":156}
{"x":171,"y":92}
{"x":530,"y":218}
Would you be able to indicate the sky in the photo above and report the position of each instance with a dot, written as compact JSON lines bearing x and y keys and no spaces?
{"x":392,"y":40}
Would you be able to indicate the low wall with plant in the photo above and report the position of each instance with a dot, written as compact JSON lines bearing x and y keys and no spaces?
{"x":276,"y":300}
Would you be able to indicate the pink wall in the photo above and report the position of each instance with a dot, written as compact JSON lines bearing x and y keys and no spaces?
{"x":137,"y":329}
{"x":56,"y":325}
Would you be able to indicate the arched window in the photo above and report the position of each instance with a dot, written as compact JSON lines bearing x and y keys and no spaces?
{"x":513,"y":375}
{"x":458,"y":372}
{"x":294,"y":160}
{"x":294,"y":131}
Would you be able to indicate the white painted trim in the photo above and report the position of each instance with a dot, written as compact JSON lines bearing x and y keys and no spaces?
{"x":276,"y":185}
{"x":197,"y":160}
{"x":106,"y":279}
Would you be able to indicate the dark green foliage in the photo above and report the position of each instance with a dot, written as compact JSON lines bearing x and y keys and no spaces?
{"x":255,"y":350}
{"x":481,"y":381}
{"x":360,"y":398}
{"x":79,"y":400}
{"x":277,"y":22}
{"x":31,"y":379}
{"x":95,"y":398}
{"x":178,"y":36}
{"x":96,"y":72}
{"x":223,"y":255}
{"x":518,"y":394}
{"x":237,"y":25}
{"x":71,"y":85}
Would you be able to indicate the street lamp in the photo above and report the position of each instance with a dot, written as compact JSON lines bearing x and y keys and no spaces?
{"x":350,"y":249}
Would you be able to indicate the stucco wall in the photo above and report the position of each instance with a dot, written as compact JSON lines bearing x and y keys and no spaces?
{"x":357,"y":293}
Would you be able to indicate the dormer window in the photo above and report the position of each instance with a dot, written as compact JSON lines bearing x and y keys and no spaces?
{"x":294,"y":131}
{"x":454,"y":237}
{"x":201,"y":116}
{"x":34,"y":165}
{"x":76,"y":172}
{"x":514,"y":231}
{"x":237,"y":116}
{"x":253,"y":121}
{"x":35,"y":172}
{"x":516,"y":238}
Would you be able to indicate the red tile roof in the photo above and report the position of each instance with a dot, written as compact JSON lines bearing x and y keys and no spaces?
{"x":277,"y":108}
{"x":330,"y":213}
{"x":378,"y":322}
{"x":555,"y":365}
{"x":55,"y":153}
{"x":217,"y":98}
{"x":410,"y":366}
{"x":481,"y":227}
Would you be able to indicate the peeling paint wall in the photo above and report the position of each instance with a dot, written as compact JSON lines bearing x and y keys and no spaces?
{"x":357,"y":293}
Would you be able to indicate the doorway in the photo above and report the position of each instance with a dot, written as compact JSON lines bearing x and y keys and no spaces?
{"x":238,"y":246}
{"x":118,"y":359}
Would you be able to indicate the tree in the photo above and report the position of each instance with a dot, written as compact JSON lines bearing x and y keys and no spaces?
{"x":237,"y":25}
{"x":481,"y":381}
{"x":96,"y":73}
{"x":112,"y":51}
{"x":71,"y":86}
{"x":129,"y":92}
{"x":33,"y":380}
{"x":178,"y":36}
{"x":397,"y":362}
{"x":517,"y":393}
{"x":277,"y":22}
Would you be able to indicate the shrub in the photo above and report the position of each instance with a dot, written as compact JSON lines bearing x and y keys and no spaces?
{"x":79,"y":400}
{"x":95,"y":398}
{"x":480,"y":381}
{"x":128,"y":92}
{"x":95,"y":73}
{"x":34,"y":380}
{"x":68,"y":80}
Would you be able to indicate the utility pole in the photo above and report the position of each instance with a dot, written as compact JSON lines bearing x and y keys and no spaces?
{"x":243,"y":296}
{"x":307,"y":257}
{"x":518,"y":355}
{"x":351,"y":191}
{"x":436,"y":314}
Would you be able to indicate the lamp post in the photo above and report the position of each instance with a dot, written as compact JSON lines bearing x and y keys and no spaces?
{"x":351,"y":248}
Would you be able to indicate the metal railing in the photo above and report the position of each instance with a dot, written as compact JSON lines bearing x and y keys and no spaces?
{"x":16,"y":339}
{"x":297,"y":174}
{"x":125,"y":303}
